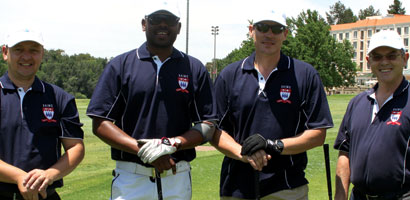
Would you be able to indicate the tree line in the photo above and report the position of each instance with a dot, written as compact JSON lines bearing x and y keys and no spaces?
{"x":309,"y":40}
{"x":76,"y":74}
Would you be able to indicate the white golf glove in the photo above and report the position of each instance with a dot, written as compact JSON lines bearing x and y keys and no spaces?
{"x":152,"y":149}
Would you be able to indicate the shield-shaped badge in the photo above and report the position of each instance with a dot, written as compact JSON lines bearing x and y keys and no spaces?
{"x":183,"y":81}
{"x":48,"y":112}
{"x":285,"y":92}
{"x":394,"y":117}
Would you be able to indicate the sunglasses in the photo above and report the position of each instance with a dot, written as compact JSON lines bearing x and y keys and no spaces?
{"x":378,"y":57}
{"x":158,"y":18}
{"x":276,"y":29}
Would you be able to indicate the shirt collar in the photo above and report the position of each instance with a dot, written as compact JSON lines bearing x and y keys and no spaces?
{"x":404,"y":85}
{"x":6,"y":83}
{"x":143,"y":53}
{"x":283,"y":64}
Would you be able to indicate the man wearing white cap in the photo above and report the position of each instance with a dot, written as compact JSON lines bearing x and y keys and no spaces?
{"x":373,"y":139}
{"x":144,"y":106}
{"x":272,"y":109}
{"x":36,"y":118}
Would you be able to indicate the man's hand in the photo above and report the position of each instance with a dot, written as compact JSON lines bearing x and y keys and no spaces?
{"x":257,"y":142}
{"x":27,"y":192}
{"x":252,"y":144}
{"x":164,"y":163}
{"x":152,"y":149}
{"x":38,"y":180}
{"x":258,"y":160}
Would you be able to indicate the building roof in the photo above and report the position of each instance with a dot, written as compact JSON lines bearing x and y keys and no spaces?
{"x":373,"y":22}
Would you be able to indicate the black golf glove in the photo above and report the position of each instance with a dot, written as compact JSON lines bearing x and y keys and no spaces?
{"x":257,"y":142}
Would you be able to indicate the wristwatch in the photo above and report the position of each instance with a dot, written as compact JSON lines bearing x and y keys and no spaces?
{"x":274,"y":146}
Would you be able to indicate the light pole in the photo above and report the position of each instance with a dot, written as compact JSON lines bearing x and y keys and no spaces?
{"x":215,"y":30}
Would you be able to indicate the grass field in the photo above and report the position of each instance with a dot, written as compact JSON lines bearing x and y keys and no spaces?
{"x":92,"y":178}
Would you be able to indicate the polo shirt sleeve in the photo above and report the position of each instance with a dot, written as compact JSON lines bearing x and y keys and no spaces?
{"x":317,"y":108}
{"x":107,"y":99}
{"x":70,"y":121}
{"x":342,"y":142}
{"x":69,"y":117}
{"x":204,"y":94}
{"x":222,"y":103}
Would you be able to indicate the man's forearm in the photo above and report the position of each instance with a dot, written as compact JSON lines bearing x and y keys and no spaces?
{"x":304,"y":141}
{"x":342,"y":176}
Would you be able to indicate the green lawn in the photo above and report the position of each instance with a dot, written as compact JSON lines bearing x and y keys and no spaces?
{"x":92,"y":178}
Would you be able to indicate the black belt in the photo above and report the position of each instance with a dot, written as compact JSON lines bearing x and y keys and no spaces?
{"x":387,"y":196}
{"x":17,"y":195}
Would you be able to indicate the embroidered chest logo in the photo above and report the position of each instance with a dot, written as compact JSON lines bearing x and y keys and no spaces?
{"x":285,"y":92}
{"x":183,"y":81}
{"x":394,"y":117}
{"x":48,"y":111}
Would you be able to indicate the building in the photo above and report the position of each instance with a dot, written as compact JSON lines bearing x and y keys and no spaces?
{"x":360,"y":33}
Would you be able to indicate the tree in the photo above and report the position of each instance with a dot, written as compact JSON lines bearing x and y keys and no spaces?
{"x":396,"y":8}
{"x":367,"y":12}
{"x":338,"y":14}
{"x":310,"y":40}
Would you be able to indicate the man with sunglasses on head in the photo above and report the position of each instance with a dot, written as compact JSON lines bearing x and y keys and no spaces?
{"x":373,"y":139}
{"x":144,"y":106}
{"x":272,"y":109}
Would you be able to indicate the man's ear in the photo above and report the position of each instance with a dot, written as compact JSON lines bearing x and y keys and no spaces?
{"x":144,"y":24}
{"x":4,"y":50}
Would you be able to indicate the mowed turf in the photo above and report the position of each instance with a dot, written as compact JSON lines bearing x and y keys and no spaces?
{"x":91,"y":180}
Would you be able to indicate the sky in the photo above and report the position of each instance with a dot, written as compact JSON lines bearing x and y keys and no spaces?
{"x":107,"y":28}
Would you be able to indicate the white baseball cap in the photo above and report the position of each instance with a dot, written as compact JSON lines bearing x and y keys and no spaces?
{"x":385,"y":39}
{"x":270,"y":15}
{"x":164,"y":7}
{"x":23,"y":34}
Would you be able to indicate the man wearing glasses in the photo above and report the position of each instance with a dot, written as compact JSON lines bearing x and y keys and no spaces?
{"x":272,"y":109}
{"x":144,"y":106}
{"x":373,"y":139}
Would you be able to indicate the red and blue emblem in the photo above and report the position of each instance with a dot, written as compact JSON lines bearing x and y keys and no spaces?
{"x":285,"y":92}
{"x":183,"y":81}
{"x":394,"y":118}
{"x":48,"y":111}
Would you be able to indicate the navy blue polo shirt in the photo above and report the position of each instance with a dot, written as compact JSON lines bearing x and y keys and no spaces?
{"x":378,"y":149}
{"x":31,"y":132}
{"x":147,"y":103}
{"x":292,"y":101}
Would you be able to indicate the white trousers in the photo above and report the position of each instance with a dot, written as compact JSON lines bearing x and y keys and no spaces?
{"x":133,"y":181}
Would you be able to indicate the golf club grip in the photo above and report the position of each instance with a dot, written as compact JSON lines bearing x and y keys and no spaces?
{"x":256,"y":182}
{"x":328,"y":177}
{"x":159,"y":186}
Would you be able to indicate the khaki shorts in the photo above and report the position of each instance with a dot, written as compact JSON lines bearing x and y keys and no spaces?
{"x":299,"y":193}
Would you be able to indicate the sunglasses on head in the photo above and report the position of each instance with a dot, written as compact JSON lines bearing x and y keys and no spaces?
{"x":158,"y":18}
{"x":276,"y":29}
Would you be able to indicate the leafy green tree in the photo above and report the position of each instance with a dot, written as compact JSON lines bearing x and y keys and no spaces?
{"x":3,"y":64}
{"x":77,"y":74}
{"x":367,"y":12}
{"x":396,"y":8}
{"x":310,"y":40}
{"x":338,"y":14}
